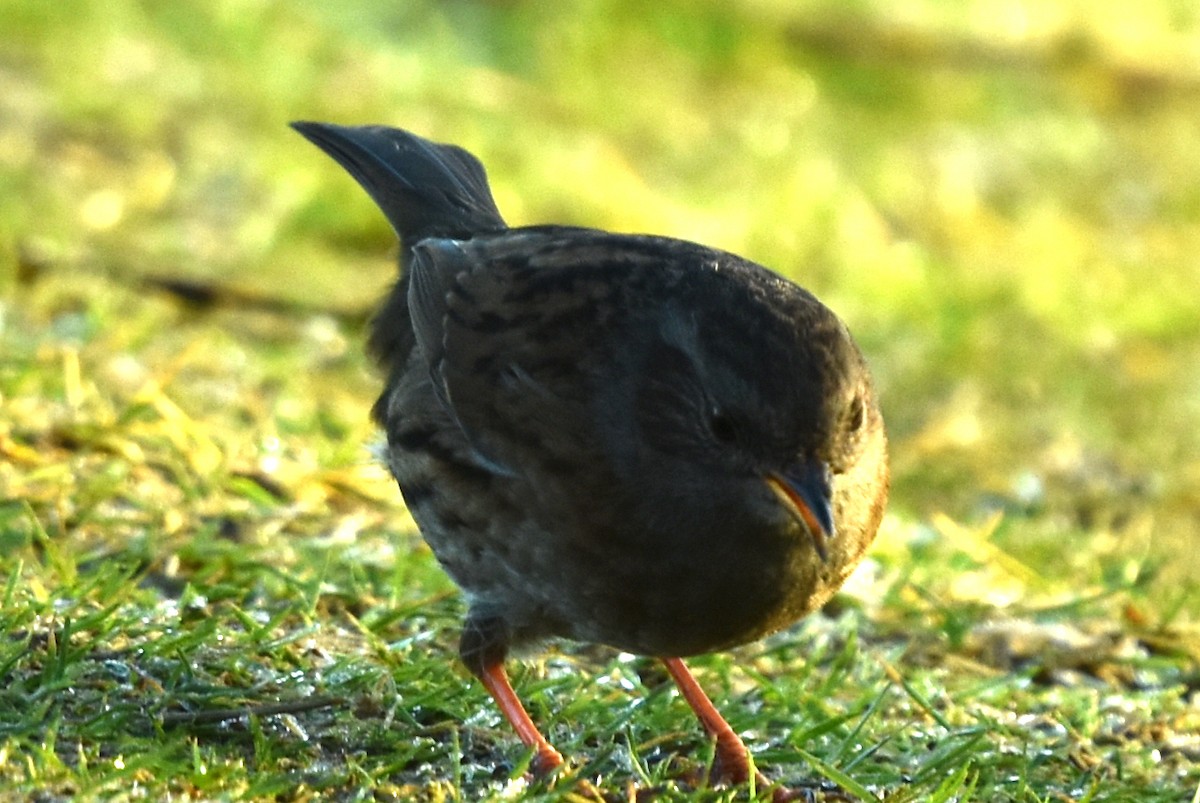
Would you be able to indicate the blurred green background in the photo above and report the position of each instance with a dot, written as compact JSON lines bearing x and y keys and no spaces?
{"x":1001,"y":198}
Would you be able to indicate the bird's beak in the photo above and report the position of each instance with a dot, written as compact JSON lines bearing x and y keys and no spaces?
{"x":805,"y":491}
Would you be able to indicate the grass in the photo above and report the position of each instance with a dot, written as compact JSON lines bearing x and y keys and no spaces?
{"x":212,"y":591}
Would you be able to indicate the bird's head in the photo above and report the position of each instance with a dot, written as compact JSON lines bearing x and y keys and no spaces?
{"x":757,"y":408}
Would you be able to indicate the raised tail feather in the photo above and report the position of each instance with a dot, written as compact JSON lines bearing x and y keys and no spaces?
{"x":424,"y":188}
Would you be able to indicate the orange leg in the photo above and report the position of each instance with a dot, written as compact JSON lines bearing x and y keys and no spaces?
{"x":483,"y":647}
{"x":496,"y":681}
{"x":733,"y":759}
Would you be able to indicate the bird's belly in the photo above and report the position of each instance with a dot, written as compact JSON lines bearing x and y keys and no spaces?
{"x":676,"y":588}
{"x":692,"y":605}
{"x":547,"y":584}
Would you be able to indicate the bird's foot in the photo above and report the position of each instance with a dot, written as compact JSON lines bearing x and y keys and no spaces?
{"x":734,"y":767}
{"x":545,"y":761}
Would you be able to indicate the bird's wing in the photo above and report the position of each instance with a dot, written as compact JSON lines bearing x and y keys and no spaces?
{"x":520,"y":331}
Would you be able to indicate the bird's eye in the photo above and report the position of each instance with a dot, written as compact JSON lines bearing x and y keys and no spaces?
{"x":722,"y":426}
{"x":856,"y":414}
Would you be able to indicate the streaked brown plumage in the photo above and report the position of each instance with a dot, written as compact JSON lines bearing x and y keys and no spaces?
{"x":631,"y":440}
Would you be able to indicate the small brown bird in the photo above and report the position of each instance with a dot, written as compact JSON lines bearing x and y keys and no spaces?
{"x":624,"y":439}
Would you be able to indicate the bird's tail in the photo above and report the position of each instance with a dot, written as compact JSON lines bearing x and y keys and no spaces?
{"x":424,"y":188}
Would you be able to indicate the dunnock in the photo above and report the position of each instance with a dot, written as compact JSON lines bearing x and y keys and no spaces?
{"x":624,"y":439}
